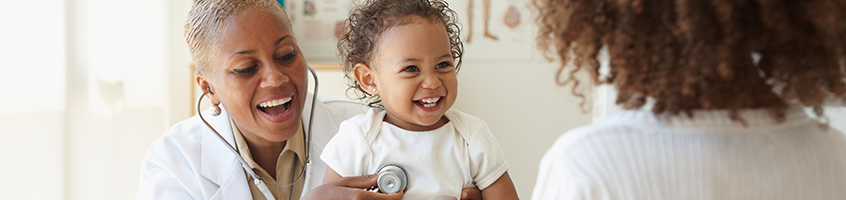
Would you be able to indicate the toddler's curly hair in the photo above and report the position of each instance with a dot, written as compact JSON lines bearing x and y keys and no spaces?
{"x":371,"y":18}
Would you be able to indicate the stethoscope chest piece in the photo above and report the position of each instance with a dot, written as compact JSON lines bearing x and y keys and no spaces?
{"x":393,"y":180}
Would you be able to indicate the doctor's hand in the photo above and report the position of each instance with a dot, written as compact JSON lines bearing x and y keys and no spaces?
{"x":351,"y":188}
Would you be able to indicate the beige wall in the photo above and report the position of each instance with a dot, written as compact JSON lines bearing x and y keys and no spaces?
{"x":33,"y":160}
{"x":33,"y":100}
{"x":523,"y":107}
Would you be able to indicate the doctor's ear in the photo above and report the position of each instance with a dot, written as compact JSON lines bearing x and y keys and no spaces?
{"x":203,"y":82}
{"x":206,"y":87}
{"x":366,"y":78}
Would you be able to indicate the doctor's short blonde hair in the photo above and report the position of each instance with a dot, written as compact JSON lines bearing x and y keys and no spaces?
{"x":207,"y":19}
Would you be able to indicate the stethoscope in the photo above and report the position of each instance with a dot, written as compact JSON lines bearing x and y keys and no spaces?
{"x":394,"y":178}
{"x":257,"y":180}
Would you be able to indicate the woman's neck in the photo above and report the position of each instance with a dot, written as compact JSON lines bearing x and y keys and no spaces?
{"x":749,"y":96}
{"x":265,"y":153}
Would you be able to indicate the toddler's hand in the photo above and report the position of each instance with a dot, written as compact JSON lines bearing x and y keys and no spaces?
{"x":471,"y":194}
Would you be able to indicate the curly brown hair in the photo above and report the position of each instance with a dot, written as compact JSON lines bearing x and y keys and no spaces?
{"x":695,"y":54}
{"x":368,"y":21}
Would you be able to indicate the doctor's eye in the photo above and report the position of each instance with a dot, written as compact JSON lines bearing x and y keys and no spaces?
{"x":411,"y":69}
{"x":245,"y":71}
{"x":288,"y":57}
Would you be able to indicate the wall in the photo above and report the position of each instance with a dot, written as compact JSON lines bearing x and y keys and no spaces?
{"x":523,"y":107}
{"x":33,"y":156}
{"x":117,"y":93}
{"x":84,"y":87}
{"x":33,"y":100}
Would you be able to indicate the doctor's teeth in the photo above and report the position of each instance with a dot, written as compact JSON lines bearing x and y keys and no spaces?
{"x":273,"y":103}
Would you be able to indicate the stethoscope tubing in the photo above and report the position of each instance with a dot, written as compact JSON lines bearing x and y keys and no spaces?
{"x":257,"y":180}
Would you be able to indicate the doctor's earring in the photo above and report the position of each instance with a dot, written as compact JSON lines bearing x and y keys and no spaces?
{"x":216,"y":110}
{"x":215,"y":106}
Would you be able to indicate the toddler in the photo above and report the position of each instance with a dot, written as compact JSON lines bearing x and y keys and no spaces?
{"x":401,"y":57}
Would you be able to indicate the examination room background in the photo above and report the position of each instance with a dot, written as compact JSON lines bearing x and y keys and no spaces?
{"x":87,"y":85}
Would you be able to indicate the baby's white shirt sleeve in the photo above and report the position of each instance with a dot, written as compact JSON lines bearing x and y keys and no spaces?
{"x":487,"y":160}
{"x":350,"y":140}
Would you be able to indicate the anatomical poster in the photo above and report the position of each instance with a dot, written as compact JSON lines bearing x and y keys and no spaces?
{"x":490,"y":29}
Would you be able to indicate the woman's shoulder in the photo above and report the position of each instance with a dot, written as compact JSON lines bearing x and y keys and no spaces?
{"x":175,"y":160}
{"x":184,"y":131}
{"x":578,"y":135}
{"x":592,"y":136}
{"x":183,"y":136}
{"x":190,"y":130}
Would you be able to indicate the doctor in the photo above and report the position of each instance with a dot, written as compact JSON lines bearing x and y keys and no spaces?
{"x":255,"y":74}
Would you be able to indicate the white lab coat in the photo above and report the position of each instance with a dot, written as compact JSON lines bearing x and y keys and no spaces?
{"x":190,"y":162}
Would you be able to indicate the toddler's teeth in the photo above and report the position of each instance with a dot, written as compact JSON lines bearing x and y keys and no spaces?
{"x":431,"y":100}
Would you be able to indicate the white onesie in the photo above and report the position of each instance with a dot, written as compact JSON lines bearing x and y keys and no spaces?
{"x":439,"y":163}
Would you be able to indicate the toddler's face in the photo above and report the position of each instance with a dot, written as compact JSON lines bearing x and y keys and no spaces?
{"x":415,"y":75}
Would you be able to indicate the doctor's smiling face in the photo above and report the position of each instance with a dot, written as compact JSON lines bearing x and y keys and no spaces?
{"x":413,"y":72}
{"x":259,"y":75}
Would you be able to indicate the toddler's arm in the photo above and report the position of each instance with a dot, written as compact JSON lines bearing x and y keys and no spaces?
{"x":331,"y":175}
{"x":502,"y":188}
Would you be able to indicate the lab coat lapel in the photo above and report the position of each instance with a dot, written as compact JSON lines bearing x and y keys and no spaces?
{"x":224,"y":176}
{"x":223,"y":171}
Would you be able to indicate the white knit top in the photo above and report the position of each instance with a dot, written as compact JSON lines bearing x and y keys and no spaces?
{"x":638,"y":155}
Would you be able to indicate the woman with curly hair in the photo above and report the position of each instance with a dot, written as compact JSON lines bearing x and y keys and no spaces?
{"x":726,"y":81}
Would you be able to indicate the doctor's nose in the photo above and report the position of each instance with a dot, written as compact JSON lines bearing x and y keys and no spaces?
{"x":273,"y":77}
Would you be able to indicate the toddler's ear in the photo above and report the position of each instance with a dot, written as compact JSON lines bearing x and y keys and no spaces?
{"x":366,"y":78}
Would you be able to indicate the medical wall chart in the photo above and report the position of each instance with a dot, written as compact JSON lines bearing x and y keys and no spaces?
{"x":495,"y":29}
{"x":491,"y":29}
{"x":316,"y":24}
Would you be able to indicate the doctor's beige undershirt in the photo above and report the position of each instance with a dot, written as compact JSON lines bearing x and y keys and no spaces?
{"x":294,"y":148}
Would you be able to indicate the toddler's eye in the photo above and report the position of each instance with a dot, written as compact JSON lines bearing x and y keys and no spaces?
{"x":442,"y":65}
{"x":410,"y":69}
